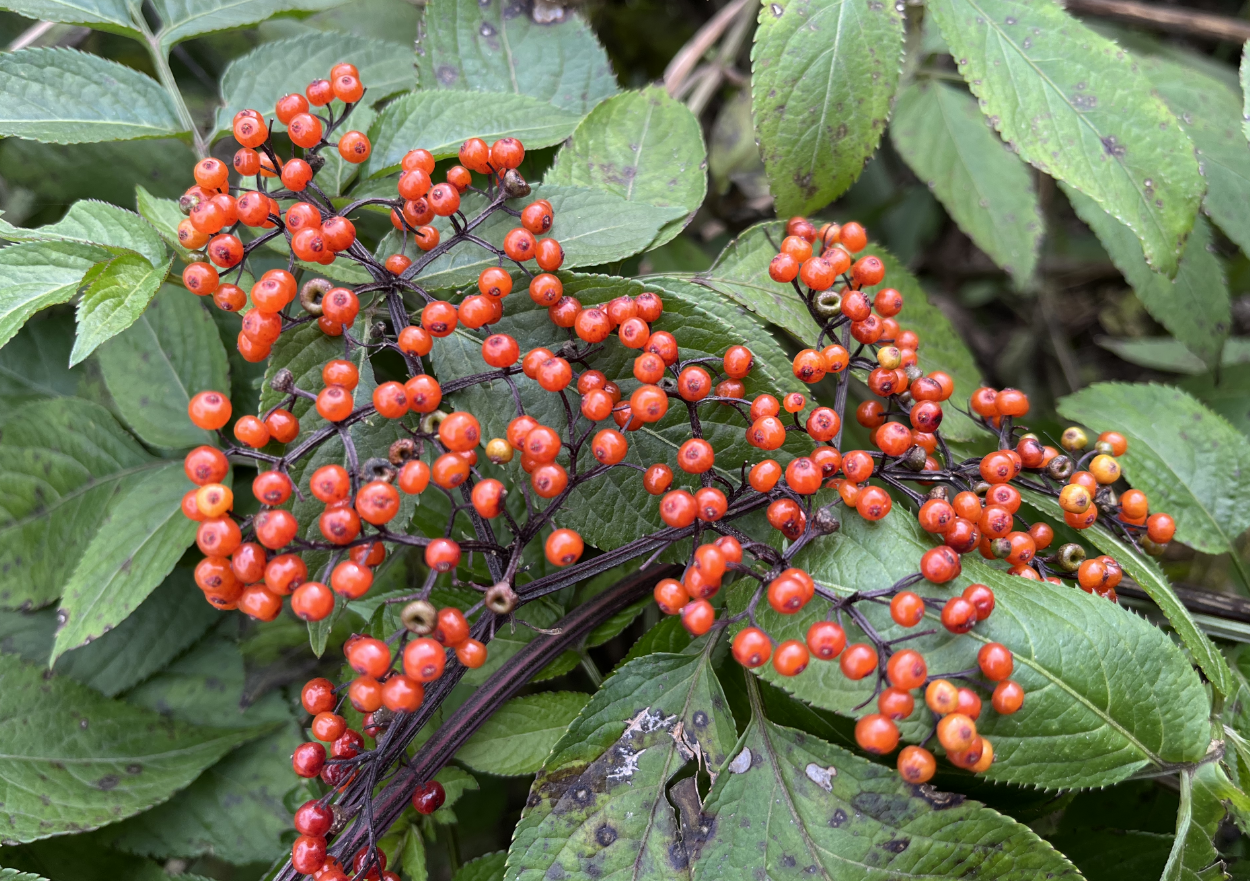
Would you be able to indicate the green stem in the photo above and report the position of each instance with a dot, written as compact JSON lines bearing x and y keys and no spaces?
{"x":166,"y":75}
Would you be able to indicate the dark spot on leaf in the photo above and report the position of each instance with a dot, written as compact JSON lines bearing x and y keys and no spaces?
{"x":107,"y":782}
{"x":699,"y":719}
{"x":896,"y":845}
{"x":605,"y":835}
{"x":788,"y":861}
{"x":939,"y":800}
{"x":134,"y":768}
{"x":555,"y":873}
{"x":838,"y":818}
{"x":1112,"y":146}
{"x":447,"y":74}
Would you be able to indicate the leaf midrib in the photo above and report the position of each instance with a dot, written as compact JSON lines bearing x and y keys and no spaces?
{"x":81,"y":489}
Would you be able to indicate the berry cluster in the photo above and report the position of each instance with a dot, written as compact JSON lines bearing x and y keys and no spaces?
{"x":253,"y":563}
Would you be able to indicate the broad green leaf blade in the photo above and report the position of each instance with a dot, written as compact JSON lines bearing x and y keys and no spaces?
{"x":986,"y":188}
{"x":259,"y":78}
{"x":1208,"y":110}
{"x":642,"y":146}
{"x":1195,"y":305}
{"x":97,"y":223}
{"x":102,"y":15}
{"x":741,"y":274}
{"x":63,"y":463}
{"x":412,"y":858}
{"x":519,"y":735}
{"x":66,"y":173}
{"x":15,"y":875}
{"x":442,"y":121}
{"x":183,"y":19}
{"x":601,"y":800}
{"x":1076,"y":106}
{"x":484,"y":868}
{"x":35,"y":276}
{"x":822,"y":76}
{"x":59,"y":776}
{"x":153,"y":368}
{"x":165,"y":625}
{"x":164,"y":215}
{"x":1228,"y":393}
{"x":114,"y":299}
{"x":69,"y":97}
{"x":497,"y":47}
{"x":1150,"y":578}
{"x":792,"y":804}
{"x":133,"y":551}
{"x":1165,"y":353}
{"x":35,"y":363}
{"x":593,"y":226}
{"x":1189,"y":461}
{"x":233,"y":811}
{"x":1105,"y":693}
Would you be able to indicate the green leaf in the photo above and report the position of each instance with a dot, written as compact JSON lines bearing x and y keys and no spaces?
{"x":494,"y":47}
{"x":85,"y":860}
{"x":593,"y":226}
{"x":152,"y":369}
{"x":114,"y":298}
{"x":102,"y":15}
{"x":642,"y":146}
{"x":69,"y":97}
{"x":15,"y":875}
{"x":63,"y":463}
{"x":97,"y":223}
{"x":1191,"y":464}
{"x":442,"y":121}
{"x":602,"y":794}
{"x":164,"y":215}
{"x":1150,"y":578}
{"x":259,"y":78}
{"x":1227,"y":393}
{"x":520,"y":734}
{"x":1208,"y":110}
{"x":183,"y":19}
{"x":822,"y":76}
{"x":1194,"y":306}
{"x":489,"y":867}
{"x":1106,"y":694}
{"x":412,"y":856}
{"x":36,"y":276}
{"x":133,"y":551}
{"x":66,"y":173}
{"x":1165,"y":353}
{"x":233,"y":811}
{"x":35,"y":363}
{"x":456,"y":782}
{"x":1076,"y":106}
{"x":1244,"y":76}
{"x":792,"y":803}
{"x":122,"y":761}
{"x":987,"y":190}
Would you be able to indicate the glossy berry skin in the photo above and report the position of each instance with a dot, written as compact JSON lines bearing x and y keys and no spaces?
{"x":876,"y":734}
{"x":791,"y":658}
{"x":309,"y":759}
{"x":752,"y":647}
{"x":995,"y":661}
{"x":697,"y":617}
{"x":906,"y":669}
{"x":916,"y":765}
{"x":1008,"y":697}
{"x":959,"y":615}
{"x":858,"y":661}
{"x":428,"y":797}
{"x":907,"y":609}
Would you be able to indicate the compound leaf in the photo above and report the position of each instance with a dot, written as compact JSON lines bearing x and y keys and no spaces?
{"x":64,"y":462}
{"x":600,"y":799}
{"x":519,"y":735}
{"x":792,"y":803}
{"x":259,"y":78}
{"x":1189,"y":461}
{"x":76,"y":760}
{"x":822,"y":76}
{"x":497,"y":47}
{"x":35,"y":276}
{"x":440,"y":121}
{"x":1075,"y":105}
{"x":69,"y":97}
{"x":113,"y":299}
{"x":986,"y":188}
{"x":152,"y":369}
{"x":103,"y":15}
{"x":642,"y":146}
{"x":1194,"y":305}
